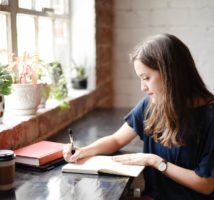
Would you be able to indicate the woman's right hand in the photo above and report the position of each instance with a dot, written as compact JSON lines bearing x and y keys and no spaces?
{"x":69,"y":157}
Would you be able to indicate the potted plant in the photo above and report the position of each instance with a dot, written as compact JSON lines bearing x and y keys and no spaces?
{"x":5,"y":87}
{"x":26,"y":91}
{"x":79,"y":78}
{"x":58,"y":87}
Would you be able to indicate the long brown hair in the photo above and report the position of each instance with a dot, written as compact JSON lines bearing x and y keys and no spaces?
{"x":182,"y":86}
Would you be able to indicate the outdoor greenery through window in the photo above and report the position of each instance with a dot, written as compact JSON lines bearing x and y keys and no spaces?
{"x":37,"y":27}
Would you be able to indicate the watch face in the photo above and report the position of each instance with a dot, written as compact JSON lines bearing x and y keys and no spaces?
{"x":162,"y":166}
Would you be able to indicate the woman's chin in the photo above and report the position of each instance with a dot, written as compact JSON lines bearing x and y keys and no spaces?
{"x":154,"y":101}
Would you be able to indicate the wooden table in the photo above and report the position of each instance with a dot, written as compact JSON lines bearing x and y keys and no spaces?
{"x":55,"y":185}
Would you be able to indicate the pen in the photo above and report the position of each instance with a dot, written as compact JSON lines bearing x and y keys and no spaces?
{"x":71,"y":141}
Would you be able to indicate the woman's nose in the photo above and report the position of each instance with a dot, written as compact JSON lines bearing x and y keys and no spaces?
{"x":143,"y":87}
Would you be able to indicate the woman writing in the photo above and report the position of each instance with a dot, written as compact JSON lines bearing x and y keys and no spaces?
{"x":175,"y":120}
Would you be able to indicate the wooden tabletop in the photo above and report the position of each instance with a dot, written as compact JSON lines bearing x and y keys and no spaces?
{"x":55,"y":185}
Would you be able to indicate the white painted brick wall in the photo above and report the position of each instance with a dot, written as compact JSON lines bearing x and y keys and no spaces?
{"x":190,"y":20}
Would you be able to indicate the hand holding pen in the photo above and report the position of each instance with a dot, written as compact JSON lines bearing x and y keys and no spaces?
{"x":72,"y":153}
{"x":71,"y":141}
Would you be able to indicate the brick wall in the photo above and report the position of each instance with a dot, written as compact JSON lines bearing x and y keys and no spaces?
{"x":190,"y":20}
{"x":104,"y":44}
{"x":46,"y":124}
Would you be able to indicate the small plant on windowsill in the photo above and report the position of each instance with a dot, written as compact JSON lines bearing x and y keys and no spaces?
{"x":26,"y":89}
{"x":79,"y":78}
{"x":58,"y":88}
{"x":26,"y":69}
{"x":32,"y":70}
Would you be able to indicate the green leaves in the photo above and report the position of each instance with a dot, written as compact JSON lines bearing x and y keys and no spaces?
{"x":80,"y":72}
{"x":5,"y":80}
{"x":58,"y":89}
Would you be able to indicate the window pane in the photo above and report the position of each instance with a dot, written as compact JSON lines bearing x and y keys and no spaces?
{"x":25,"y":4}
{"x":3,"y":39}
{"x":60,"y":6}
{"x":3,"y":2}
{"x":39,"y":4}
{"x":26,"y":34}
{"x":46,"y":39}
{"x":61,"y":41}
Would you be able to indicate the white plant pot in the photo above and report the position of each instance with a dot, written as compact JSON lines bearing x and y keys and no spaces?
{"x":24,"y":99}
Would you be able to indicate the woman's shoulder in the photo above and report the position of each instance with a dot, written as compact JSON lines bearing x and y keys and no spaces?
{"x":139,"y":109}
{"x":141,"y":106}
{"x":208,"y":108}
{"x":206,"y":118}
{"x":143,"y":102}
{"x":208,"y":114}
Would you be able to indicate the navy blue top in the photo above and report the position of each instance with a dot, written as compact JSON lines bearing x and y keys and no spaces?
{"x":197,"y":155}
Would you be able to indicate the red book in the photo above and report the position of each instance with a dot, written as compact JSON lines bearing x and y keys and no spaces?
{"x":39,"y":153}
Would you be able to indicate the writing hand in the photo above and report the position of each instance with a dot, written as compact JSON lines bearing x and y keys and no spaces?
{"x":72,"y":157}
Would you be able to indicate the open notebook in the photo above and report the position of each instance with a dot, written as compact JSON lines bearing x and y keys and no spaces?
{"x":102,"y":164}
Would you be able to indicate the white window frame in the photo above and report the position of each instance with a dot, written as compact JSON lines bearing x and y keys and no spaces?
{"x":12,"y":9}
{"x":76,"y":7}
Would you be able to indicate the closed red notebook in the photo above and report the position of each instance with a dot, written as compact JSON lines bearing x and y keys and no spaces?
{"x":39,"y":153}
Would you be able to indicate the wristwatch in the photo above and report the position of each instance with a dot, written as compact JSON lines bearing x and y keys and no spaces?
{"x":162,"y":165}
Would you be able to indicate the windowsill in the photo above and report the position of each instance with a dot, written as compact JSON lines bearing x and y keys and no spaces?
{"x":17,"y":131}
{"x":10,"y":121}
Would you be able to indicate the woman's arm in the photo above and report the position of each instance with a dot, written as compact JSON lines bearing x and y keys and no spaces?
{"x":190,"y":179}
{"x":105,"y":145}
{"x":112,"y":143}
{"x":180,"y":175}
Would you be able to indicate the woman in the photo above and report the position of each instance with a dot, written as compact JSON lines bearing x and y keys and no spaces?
{"x":175,"y":120}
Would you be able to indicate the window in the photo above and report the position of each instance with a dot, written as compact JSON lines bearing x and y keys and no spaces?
{"x":43,"y":27}
{"x":36,"y":26}
{"x":3,"y":38}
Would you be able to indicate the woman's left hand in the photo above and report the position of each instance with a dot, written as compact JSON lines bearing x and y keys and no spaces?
{"x":144,"y":159}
